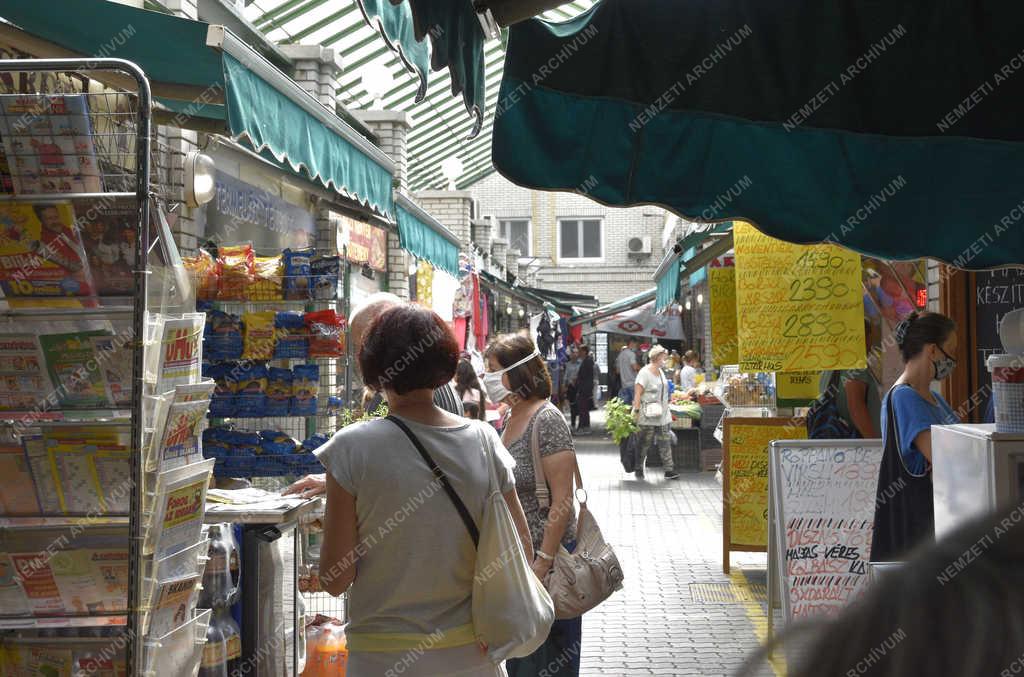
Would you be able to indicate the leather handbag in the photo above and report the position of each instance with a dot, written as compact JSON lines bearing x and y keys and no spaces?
{"x":579,"y":580}
{"x":512,"y":611}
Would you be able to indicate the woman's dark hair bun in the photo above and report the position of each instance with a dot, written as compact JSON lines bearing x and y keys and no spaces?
{"x":900,"y":332}
{"x":920,"y":329}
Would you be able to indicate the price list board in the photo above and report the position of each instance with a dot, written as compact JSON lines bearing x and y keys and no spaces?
{"x":722,"y":284}
{"x":800,"y":307}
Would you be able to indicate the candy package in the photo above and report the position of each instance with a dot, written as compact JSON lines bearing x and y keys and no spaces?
{"x":268,"y":275}
{"x":222,"y":336}
{"x":279,"y":391}
{"x":251,"y":391}
{"x":292,"y":337}
{"x":243,"y":443}
{"x":259,"y":335}
{"x":275,"y":443}
{"x":326,"y":334}
{"x":324,"y":276}
{"x":236,"y":273}
{"x":305,"y":384}
{"x":202,"y":269}
{"x":296,"y":273}
{"x":222,"y":401}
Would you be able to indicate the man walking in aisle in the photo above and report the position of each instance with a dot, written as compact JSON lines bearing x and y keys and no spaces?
{"x":585,"y":389}
{"x":627,"y":365}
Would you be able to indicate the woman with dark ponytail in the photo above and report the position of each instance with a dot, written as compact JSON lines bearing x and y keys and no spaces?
{"x":904,"y":512}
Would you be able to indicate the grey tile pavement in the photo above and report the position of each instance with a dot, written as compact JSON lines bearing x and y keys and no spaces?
{"x":668,"y":536}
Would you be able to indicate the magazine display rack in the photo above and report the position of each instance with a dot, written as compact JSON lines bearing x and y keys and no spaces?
{"x":102,"y":477}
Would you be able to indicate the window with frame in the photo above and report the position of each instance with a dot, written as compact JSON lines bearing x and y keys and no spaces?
{"x":517,"y":232}
{"x":580,"y":239}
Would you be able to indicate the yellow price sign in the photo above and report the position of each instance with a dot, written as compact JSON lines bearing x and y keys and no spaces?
{"x":798,"y":386}
{"x":801,"y":306}
{"x":722,"y":286}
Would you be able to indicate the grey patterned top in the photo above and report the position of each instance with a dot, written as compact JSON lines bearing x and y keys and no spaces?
{"x":553,"y":436}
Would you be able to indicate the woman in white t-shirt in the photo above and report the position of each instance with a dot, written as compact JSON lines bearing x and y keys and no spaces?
{"x":650,"y":407}
{"x":686,"y":378}
{"x":391,"y":532}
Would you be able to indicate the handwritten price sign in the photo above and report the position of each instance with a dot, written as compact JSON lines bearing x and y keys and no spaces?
{"x":801,"y":306}
{"x":722,"y":283}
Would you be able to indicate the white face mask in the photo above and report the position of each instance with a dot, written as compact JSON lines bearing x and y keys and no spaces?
{"x":493,"y":384}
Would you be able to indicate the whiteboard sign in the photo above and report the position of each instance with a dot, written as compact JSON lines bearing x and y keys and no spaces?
{"x":823,"y":510}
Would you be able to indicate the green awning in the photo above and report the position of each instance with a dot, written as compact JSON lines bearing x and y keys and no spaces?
{"x":668,"y":274}
{"x":425,"y":237}
{"x":620,"y":306}
{"x":195,"y":68}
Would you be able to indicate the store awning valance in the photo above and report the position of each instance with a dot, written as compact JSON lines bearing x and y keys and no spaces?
{"x":425,"y":237}
{"x":216,"y":73}
{"x":889,"y":128}
{"x":685,"y":259}
{"x":620,"y":306}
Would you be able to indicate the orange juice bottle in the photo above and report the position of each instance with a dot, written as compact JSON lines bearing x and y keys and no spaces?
{"x":326,"y":651}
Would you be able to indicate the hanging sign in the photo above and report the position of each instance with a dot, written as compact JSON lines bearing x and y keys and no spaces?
{"x":745,"y":480}
{"x":797,"y":388}
{"x":363,"y":243}
{"x":802,"y":306}
{"x":722,"y":284}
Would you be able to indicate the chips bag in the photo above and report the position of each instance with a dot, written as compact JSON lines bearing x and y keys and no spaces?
{"x":326,"y":333}
{"x":222,"y":336}
{"x":259,"y":335}
{"x":202,"y":269}
{"x":279,"y":391}
{"x":305,"y":384}
{"x":269,"y":271}
{"x":251,"y":391}
{"x":324,"y":275}
{"x":236,"y":271}
{"x":292,"y":337}
{"x":296,"y":273}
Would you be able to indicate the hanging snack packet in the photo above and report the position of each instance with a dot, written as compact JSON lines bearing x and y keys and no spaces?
{"x":243,"y":443}
{"x":305,"y":384}
{"x":259,"y":335}
{"x":292,"y":337}
{"x":222,"y":336}
{"x":276,"y":443}
{"x":279,"y":391}
{"x":251,"y":391}
{"x":236,"y":273}
{"x":296,"y":273}
{"x":313,"y":443}
{"x":222,"y":401}
{"x":324,"y":273}
{"x":202,"y":269}
{"x":216,"y":443}
{"x":269,"y":271}
{"x":326,"y":334}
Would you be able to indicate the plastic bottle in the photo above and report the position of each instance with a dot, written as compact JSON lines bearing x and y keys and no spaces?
{"x":326,"y":651}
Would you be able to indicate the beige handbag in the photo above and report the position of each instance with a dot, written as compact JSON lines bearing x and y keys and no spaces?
{"x":582,"y":579}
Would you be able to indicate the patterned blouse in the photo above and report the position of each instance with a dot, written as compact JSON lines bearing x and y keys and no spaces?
{"x":553,"y":436}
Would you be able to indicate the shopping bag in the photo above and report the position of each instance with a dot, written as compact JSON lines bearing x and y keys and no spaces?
{"x":627,"y":452}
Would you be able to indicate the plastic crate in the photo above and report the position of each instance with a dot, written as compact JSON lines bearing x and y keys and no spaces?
{"x":267,"y":465}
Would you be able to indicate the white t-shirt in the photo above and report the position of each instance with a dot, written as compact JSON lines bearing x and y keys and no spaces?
{"x":416,"y":558}
{"x":687,"y":377}
{"x":655,"y":390}
{"x":626,"y":363}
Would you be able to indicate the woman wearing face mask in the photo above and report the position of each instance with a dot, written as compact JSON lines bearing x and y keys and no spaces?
{"x":904,"y":512}
{"x":517,"y":376}
{"x":650,"y":407}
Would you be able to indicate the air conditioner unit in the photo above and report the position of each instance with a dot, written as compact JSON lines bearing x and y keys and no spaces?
{"x":640,"y":246}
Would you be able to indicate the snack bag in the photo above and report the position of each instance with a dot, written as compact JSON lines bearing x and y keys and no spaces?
{"x":202,"y":269}
{"x":279,"y":391}
{"x":236,"y":272}
{"x":292,"y":338}
{"x":216,"y":443}
{"x":259,"y":335}
{"x":275,"y":443}
{"x":222,"y":336}
{"x":313,"y":443}
{"x":243,"y":443}
{"x":326,"y":334}
{"x":222,"y":401}
{"x":324,"y":276}
{"x":305,"y":384}
{"x":251,"y":391}
{"x":296,"y":273}
{"x":267,"y":286}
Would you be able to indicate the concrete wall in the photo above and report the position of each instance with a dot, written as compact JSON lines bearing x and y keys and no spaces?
{"x":616,"y":276}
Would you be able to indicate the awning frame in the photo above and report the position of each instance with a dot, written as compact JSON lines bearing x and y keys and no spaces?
{"x":620,"y":306}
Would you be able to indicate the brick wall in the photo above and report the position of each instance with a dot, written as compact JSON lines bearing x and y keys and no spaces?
{"x":616,"y":277}
{"x":452,"y":208}
{"x":392,"y":130}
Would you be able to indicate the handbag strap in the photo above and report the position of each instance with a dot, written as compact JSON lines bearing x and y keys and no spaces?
{"x":542,"y":490}
{"x":474,"y":533}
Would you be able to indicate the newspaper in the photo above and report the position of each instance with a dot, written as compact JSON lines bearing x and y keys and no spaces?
{"x":178,"y":509}
{"x":177,"y":350}
{"x":23,"y":379}
{"x":177,"y":430}
{"x":174,"y":602}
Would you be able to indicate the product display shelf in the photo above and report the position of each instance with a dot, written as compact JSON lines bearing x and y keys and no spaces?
{"x":77,"y":581}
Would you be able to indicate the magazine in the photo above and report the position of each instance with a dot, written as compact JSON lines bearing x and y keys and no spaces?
{"x":178,"y":509}
{"x":17,"y":491}
{"x":48,"y":141}
{"x":73,"y":366}
{"x":42,"y":474}
{"x":35,"y":576}
{"x":23,"y":381}
{"x":115,"y":363}
{"x":178,"y":429}
{"x":109,"y":230}
{"x":173,"y":603}
{"x":41,"y":253}
{"x":12,"y":598}
{"x":177,"y":350}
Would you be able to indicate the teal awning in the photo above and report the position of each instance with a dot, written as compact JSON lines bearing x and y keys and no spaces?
{"x":425,"y":237}
{"x":671,"y":269}
{"x":620,"y":306}
{"x":200,"y":69}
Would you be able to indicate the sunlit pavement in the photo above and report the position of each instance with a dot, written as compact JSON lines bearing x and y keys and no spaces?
{"x":678,"y":614}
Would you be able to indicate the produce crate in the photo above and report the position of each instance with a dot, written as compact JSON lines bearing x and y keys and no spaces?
{"x":267,"y":465}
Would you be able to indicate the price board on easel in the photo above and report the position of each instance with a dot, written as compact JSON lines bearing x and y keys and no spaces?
{"x":800,"y":306}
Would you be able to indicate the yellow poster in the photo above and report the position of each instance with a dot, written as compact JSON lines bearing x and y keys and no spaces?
{"x":800,"y":307}
{"x":722,"y":285}
{"x":747,"y":496}
{"x":797,"y":386}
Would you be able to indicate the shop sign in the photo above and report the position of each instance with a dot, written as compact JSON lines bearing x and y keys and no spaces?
{"x":722,"y":287}
{"x":363,"y":243}
{"x":801,"y":307}
{"x":241,"y":212}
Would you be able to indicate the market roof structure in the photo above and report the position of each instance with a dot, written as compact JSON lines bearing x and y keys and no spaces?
{"x":442,"y":124}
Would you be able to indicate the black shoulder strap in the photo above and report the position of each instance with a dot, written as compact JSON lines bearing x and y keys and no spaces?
{"x":474,"y":533}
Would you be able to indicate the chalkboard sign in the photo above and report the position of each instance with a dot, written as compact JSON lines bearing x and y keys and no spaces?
{"x":745,"y":480}
{"x":823,"y":508}
{"x":997,"y":292}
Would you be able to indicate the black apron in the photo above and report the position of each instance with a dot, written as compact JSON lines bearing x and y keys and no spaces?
{"x":904,"y":505}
